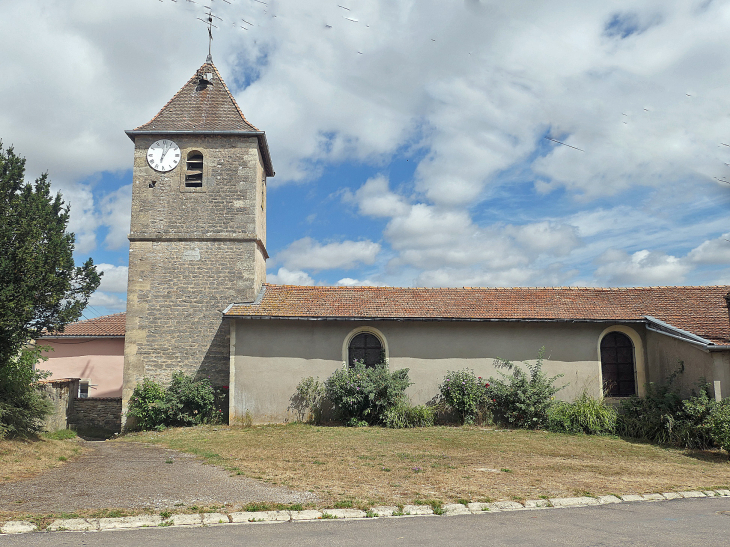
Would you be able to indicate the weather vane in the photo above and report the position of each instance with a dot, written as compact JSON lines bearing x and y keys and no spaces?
{"x":209,"y":21}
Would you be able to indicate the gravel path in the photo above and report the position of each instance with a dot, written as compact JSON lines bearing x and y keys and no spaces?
{"x":124,"y":475}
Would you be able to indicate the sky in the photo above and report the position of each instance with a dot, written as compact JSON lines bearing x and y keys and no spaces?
{"x":416,"y":143}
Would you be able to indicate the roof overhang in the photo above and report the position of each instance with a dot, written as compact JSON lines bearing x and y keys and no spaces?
{"x":660,"y":327}
{"x":260,"y":135}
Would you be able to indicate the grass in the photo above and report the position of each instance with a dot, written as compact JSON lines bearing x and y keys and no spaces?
{"x":444,"y":463}
{"x":24,"y":458}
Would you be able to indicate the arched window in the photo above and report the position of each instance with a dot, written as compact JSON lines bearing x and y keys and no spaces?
{"x":194,"y":170}
{"x":365,"y":347}
{"x":618,"y":365}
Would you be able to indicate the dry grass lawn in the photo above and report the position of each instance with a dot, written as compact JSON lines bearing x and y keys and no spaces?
{"x":21,"y":459}
{"x":373,"y":466}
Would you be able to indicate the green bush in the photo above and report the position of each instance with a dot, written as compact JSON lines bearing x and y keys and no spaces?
{"x":465,"y":393}
{"x":720,"y":425}
{"x":308,"y":400}
{"x":584,"y":415}
{"x":663,"y":417}
{"x":147,"y":405}
{"x":403,"y":415}
{"x":23,"y":406}
{"x":521,"y":399}
{"x":184,"y":402}
{"x":360,"y":395}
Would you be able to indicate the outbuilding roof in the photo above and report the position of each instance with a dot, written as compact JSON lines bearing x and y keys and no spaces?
{"x":99,"y":327}
{"x":702,"y":311}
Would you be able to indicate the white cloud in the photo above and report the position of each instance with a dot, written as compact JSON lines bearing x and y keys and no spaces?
{"x":641,"y":268}
{"x":109,"y":301}
{"x":116,"y":213}
{"x":114,"y":278}
{"x":349,"y":282}
{"x":374,"y":198}
{"x":715,"y":251}
{"x":309,"y":254}
{"x":286,"y":277}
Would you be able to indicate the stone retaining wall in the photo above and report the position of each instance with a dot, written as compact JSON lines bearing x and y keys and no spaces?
{"x":98,"y":417}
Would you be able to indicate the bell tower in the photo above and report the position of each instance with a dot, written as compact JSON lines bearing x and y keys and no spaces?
{"x":198,"y":232}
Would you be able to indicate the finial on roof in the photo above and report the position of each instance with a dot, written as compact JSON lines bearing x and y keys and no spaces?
{"x":209,"y":59}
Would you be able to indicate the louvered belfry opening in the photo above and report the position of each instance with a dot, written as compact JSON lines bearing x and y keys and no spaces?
{"x":367,"y":348}
{"x":617,"y":365}
{"x":194,"y":170}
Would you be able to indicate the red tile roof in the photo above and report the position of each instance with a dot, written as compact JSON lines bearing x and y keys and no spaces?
{"x":201,"y":107}
{"x":703,"y":311}
{"x":106,"y":325}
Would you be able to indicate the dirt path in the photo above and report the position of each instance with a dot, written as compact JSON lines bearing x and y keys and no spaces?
{"x":135,"y":476}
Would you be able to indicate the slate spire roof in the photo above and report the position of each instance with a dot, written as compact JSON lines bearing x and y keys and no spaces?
{"x":203,"y":104}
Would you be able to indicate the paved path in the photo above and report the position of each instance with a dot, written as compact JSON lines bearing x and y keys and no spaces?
{"x":125,"y":475}
{"x":679,"y":523}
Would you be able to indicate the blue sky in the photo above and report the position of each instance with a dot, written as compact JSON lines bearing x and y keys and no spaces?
{"x":411,"y":140}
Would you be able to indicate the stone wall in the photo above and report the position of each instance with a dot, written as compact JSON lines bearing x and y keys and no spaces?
{"x":193,"y":251}
{"x":97,"y":417}
{"x":61,"y":393}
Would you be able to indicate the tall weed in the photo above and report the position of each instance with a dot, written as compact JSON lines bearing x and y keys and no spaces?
{"x":521,"y":399}
{"x":584,"y":415}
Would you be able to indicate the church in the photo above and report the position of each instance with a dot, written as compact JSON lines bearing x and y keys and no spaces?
{"x":198,"y":300}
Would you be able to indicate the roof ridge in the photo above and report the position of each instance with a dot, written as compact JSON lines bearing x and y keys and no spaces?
{"x":531,"y":288}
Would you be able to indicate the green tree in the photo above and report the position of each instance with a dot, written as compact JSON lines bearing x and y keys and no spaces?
{"x":40,"y":287}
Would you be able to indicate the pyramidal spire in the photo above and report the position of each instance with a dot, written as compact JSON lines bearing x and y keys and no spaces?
{"x":203,"y":104}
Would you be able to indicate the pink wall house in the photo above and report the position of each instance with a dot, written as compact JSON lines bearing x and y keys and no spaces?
{"x":92,"y":350}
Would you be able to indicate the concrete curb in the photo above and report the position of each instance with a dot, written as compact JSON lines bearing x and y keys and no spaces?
{"x":273,"y":517}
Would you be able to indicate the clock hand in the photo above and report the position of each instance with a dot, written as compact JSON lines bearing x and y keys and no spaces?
{"x":165,"y":149}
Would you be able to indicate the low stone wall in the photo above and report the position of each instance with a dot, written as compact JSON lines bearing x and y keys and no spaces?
{"x":96,"y":417}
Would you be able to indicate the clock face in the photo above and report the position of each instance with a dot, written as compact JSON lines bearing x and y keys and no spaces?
{"x":163,"y":155}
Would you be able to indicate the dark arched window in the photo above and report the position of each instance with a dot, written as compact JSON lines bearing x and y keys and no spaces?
{"x":365,"y":347}
{"x":194,"y":170}
{"x":617,"y":365}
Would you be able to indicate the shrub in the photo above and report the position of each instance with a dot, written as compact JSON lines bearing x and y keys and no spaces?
{"x":584,"y":415}
{"x":189,"y":402}
{"x":403,"y":415}
{"x":308,"y":399}
{"x":23,"y":406}
{"x":360,"y":395}
{"x":720,"y":425}
{"x":147,"y":405}
{"x":663,"y":417}
{"x":521,"y":399}
{"x":465,"y":393}
{"x":184,"y":402}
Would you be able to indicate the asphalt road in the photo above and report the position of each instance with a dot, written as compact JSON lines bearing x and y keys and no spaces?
{"x":686,"y":522}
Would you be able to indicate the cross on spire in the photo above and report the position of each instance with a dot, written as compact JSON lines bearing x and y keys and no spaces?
{"x":209,"y":22}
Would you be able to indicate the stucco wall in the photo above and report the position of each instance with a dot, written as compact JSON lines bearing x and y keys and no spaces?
{"x":271,"y":357}
{"x":664,"y":356}
{"x":99,"y":359}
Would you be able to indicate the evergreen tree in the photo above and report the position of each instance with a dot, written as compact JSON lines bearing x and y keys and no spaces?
{"x":40,"y":287}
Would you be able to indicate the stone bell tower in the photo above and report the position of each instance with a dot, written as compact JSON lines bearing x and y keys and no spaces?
{"x":198,"y":232}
